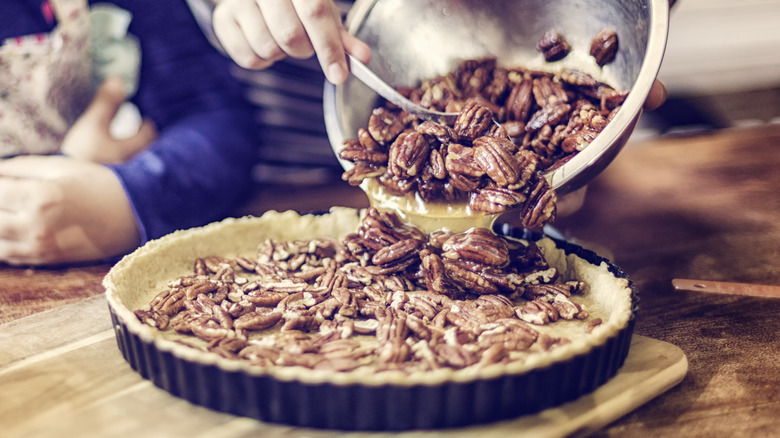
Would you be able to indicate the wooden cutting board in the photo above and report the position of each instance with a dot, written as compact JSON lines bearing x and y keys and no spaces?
{"x":61,"y":374}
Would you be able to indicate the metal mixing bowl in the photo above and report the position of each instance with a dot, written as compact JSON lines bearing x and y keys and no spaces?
{"x":414,"y":40}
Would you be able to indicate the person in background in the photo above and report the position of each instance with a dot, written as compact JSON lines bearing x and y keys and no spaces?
{"x":71,"y":190}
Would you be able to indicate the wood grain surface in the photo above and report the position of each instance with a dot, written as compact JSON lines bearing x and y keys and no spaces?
{"x":80,"y":386}
{"x":703,"y":207}
{"x":25,"y":291}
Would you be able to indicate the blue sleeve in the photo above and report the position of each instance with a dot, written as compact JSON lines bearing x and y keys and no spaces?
{"x":199,"y":168}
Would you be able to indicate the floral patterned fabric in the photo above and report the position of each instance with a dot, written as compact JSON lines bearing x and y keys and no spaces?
{"x":45,"y":82}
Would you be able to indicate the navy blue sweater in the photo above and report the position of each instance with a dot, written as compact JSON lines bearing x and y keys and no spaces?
{"x":199,"y":168}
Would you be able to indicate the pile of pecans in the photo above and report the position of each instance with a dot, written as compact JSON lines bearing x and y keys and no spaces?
{"x":386,"y":297}
{"x":541,"y":119}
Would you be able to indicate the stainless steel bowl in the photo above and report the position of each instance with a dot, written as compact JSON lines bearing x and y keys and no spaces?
{"x":414,"y":40}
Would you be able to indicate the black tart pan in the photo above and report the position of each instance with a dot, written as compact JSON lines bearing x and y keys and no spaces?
{"x":382,"y":407}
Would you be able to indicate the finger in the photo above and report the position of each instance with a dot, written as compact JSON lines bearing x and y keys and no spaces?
{"x":108,"y":98}
{"x":27,"y":166}
{"x":17,"y":236}
{"x":286,"y":28}
{"x":13,"y":201}
{"x":255,"y":29}
{"x":356,"y":47}
{"x":656,"y":97}
{"x":31,"y":251}
{"x":323,"y":25}
{"x":230,"y":32}
{"x":21,"y":242}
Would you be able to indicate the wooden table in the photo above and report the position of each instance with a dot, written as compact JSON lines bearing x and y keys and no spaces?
{"x":705,"y":207}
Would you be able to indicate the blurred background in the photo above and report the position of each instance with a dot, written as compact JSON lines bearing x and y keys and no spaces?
{"x":722,"y":67}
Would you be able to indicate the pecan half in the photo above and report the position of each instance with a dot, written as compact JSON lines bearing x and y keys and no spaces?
{"x":433,"y":270}
{"x":436,"y":165}
{"x":538,"y":312}
{"x":579,"y":140}
{"x":361,"y":171}
{"x":467,"y":279}
{"x":539,"y":207}
{"x":265,"y":298}
{"x":473,"y":121}
{"x":479,"y":245}
{"x":604,"y":46}
{"x":173,"y":304}
{"x":473,"y":75}
{"x":367,"y":141}
{"x":494,"y":156}
{"x":257,"y":320}
{"x":384,"y":126}
{"x":548,"y":92}
{"x":566,"y":308}
{"x":408,"y":154}
{"x":209,"y":330}
{"x":442,"y":133}
{"x":495,"y":199}
{"x":533,"y":291}
{"x":460,"y":161}
{"x":578,"y":78}
{"x":464,"y":183}
{"x":512,"y":336}
{"x":553,"y":45}
{"x":356,"y":152}
{"x":549,"y":115}
{"x":520,"y":101}
{"x":403,"y":249}
{"x":152,"y":318}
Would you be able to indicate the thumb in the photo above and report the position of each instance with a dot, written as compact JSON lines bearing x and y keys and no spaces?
{"x":108,"y":98}
{"x":656,"y":97}
{"x":146,"y":134}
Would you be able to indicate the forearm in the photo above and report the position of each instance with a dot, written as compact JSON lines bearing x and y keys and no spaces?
{"x":195,"y":173}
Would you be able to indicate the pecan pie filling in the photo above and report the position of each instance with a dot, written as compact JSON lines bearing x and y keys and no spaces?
{"x":384,"y":298}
